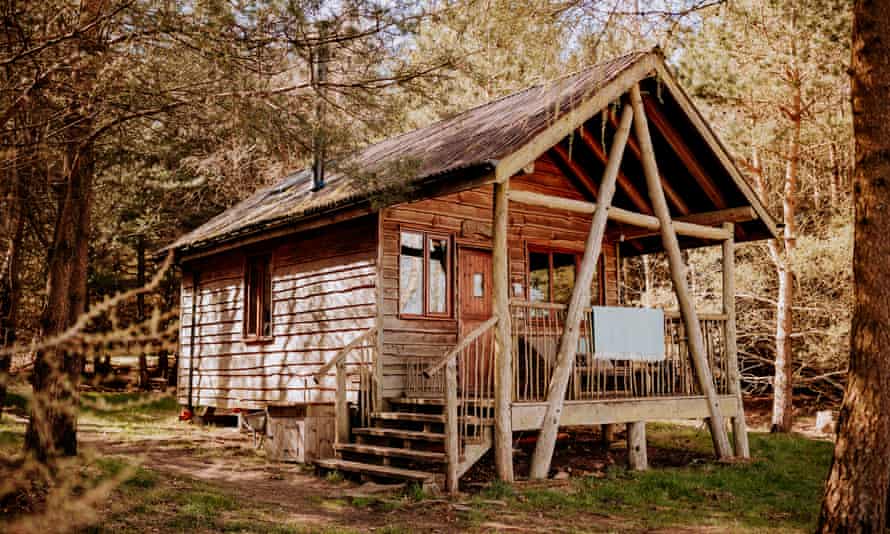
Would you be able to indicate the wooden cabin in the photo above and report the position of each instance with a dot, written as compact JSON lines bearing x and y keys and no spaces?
{"x":453,"y":285}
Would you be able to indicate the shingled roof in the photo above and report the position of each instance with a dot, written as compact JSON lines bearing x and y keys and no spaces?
{"x":478,"y":139}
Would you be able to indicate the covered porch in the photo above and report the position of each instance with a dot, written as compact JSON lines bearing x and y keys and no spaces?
{"x":523,"y":364}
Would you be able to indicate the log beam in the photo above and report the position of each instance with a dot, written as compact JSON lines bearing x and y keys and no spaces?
{"x":626,"y":185}
{"x":707,"y":218}
{"x":503,"y":352}
{"x":678,"y":276}
{"x":739,"y":428}
{"x":675,"y":198}
{"x":619,"y":215}
{"x":577,"y":171}
{"x":580,"y":300}
{"x":675,"y":140}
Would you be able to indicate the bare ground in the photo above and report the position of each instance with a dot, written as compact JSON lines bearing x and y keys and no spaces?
{"x":224,"y":458}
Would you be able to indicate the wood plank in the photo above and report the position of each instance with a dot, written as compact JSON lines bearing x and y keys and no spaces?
{"x":375,"y":470}
{"x":390,"y":452}
{"x":396,"y":433}
{"x":530,"y":415}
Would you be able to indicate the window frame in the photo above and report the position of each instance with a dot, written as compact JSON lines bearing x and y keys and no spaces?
{"x":578,"y":254}
{"x":257,"y":336}
{"x":428,"y":235}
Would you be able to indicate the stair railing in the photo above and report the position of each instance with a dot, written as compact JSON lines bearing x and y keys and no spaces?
{"x":365,"y":346}
{"x":469,"y":392}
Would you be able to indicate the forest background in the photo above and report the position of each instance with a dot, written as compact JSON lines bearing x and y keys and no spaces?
{"x":126,"y":123}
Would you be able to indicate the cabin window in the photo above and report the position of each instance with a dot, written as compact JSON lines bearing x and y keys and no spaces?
{"x":424,"y":274}
{"x":258,"y":298}
{"x":551,"y":276}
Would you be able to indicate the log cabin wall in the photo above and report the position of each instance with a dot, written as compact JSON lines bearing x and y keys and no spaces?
{"x":323,"y":296}
{"x":466,"y":216}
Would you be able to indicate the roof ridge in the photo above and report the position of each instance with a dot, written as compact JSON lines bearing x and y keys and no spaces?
{"x":552,"y":81}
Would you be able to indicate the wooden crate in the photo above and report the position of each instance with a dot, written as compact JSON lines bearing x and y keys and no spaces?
{"x":300,"y":433}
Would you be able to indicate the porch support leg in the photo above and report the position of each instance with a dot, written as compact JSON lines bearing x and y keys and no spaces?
{"x":580,"y":300}
{"x":739,"y":428}
{"x":341,"y":406}
{"x":607,"y":434}
{"x":452,"y":436}
{"x":503,"y":352}
{"x":678,"y":275}
{"x":637,"y":458}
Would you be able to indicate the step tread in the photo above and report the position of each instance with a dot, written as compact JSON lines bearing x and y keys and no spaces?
{"x":399,"y":433}
{"x":374,"y":469}
{"x":428,"y":401}
{"x":390,"y":451}
{"x":409,"y":416}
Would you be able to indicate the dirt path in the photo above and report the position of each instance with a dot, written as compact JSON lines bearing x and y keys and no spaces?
{"x":224,"y":458}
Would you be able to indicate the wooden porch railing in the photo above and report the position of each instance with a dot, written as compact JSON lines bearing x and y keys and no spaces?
{"x":536,"y":331}
{"x":468,"y":378}
{"x":365,"y":349}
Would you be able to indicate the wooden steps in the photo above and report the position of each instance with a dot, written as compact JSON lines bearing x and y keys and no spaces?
{"x":413,"y":435}
{"x":384,"y":471}
{"x":418,"y":401}
{"x":406,"y":443}
{"x":409,"y":416}
{"x":390,"y":452}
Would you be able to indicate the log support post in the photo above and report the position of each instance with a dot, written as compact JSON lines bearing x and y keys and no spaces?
{"x":637,"y":459}
{"x":341,"y":405}
{"x":607,"y":434}
{"x":580,"y":300}
{"x":503,"y":352}
{"x":739,"y":428}
{"x":678,"y":276}
{"x":452,"y":437}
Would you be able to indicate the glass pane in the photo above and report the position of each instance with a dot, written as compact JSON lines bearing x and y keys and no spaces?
{"x":563,"y":277}
{"x":411,"y":273}
{"x":538,"y":277}
{"x":267,"y":298}
{"x":250,"y":305}
{"x":438,"y":273}
{"x":478,"y":285}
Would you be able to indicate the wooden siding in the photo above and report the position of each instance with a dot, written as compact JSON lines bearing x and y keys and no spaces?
{"x":324,"y":286}
{"x":467,"y":217}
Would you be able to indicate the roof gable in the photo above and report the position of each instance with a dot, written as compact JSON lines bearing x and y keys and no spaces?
{"x":497,"y":138}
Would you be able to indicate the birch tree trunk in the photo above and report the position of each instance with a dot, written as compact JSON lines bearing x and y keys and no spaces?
{"x":855,"y":497}
{"x":783,"y":383}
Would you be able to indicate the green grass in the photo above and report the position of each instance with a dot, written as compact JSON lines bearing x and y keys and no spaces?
{"x":780,"y":488}
{"x":119,"y":406}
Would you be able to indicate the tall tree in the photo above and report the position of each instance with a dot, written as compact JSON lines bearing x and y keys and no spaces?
{"x":771,"y":69}
{"x":856,"y":491}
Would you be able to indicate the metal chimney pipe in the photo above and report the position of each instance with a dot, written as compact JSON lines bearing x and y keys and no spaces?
{"x":320,"y":57}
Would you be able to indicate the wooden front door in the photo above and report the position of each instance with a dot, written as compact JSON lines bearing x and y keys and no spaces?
{"x":474,"y":299}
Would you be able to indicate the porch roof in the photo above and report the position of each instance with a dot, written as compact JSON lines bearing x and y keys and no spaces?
{"x":496,"y":140}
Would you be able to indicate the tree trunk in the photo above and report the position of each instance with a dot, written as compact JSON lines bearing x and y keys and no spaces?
{"x":856,"y":490}
{"x":52,"y":429}
{"x":783,"y":384}
{"x":11,"y":227}
{"x":144,"y":383}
